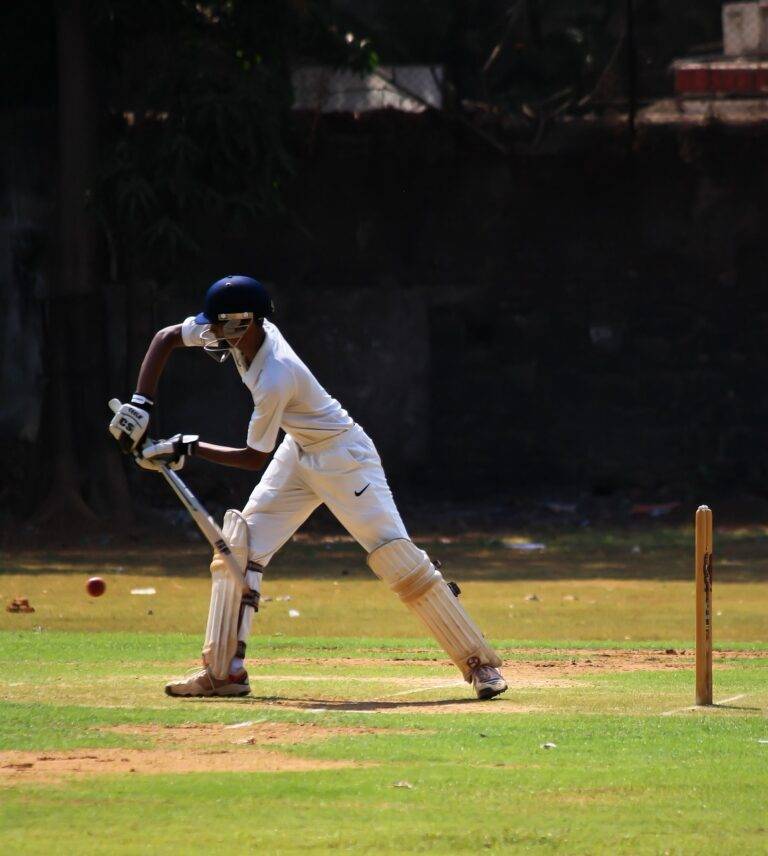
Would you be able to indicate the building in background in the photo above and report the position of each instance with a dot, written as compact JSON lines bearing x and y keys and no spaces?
{"x":408,"y":88}
{"x":741,"y":71}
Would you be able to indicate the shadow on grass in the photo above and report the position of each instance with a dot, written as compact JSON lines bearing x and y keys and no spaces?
{"x":734,"y":707}
{"x":330,"y":705}
{"x":647,"y":553}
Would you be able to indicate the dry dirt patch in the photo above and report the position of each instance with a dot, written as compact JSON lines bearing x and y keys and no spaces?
{"x":247,"y":733}
{"x":595,"y":661}
{"x":23,"y":766}
{"x":193,"y":748}
{"x":582,"y":661}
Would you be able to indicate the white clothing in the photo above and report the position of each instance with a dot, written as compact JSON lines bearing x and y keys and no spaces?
{"x":345,"y":473}
{"x":326,"y":458}
{"x":285,"y":393}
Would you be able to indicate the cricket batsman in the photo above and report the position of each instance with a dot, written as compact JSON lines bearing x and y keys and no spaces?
{"x":325,"y":457}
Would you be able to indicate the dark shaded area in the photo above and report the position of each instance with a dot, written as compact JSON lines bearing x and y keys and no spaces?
{"x":586,"y":318}
{"x":581,"y":318}
{"x":647,"y":551}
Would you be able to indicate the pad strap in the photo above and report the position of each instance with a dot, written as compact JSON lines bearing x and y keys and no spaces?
{"x":250,"y":598}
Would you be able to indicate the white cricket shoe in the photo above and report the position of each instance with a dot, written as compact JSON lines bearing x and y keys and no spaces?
{"x":203,"y":683}
{"x":488,"y":682}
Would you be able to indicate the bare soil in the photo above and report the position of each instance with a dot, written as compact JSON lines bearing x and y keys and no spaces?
{"x":580,"y":660}
{"x":47,"y":766}
{"x":246,"y":733}
{"x":594,"y":661}
{"x":243,"y":747}
{"x":559,"y":672}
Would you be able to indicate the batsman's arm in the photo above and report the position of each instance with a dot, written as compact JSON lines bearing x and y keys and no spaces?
{"x":129,"y":424}
{"x":163,"y":342}
{"x":244,"y":459}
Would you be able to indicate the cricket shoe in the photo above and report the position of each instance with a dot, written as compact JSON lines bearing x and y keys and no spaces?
{"x":203,"y":683}
{"x":488,"y":682}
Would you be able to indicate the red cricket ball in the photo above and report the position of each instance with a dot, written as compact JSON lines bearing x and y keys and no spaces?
{"x":95,"y":586}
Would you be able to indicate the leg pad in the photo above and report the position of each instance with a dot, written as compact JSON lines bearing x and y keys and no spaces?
{"x":231,"y":608}
{"x":408,"y":571}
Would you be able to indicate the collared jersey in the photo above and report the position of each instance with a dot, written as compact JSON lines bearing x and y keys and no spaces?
{"x":285,"y":393}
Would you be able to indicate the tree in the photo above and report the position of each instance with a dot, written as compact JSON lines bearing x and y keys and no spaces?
{"x":517,"y":56}
{"x":198,"y":96}
{"x":166,"y":108}
{"x":74,"y":286}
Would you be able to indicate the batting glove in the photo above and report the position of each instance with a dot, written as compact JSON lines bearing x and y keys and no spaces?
{"x":171,"y":453}
{"x":130,"y":422}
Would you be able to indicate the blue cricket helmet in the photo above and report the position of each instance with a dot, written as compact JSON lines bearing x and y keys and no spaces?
{"x":235,"y":294}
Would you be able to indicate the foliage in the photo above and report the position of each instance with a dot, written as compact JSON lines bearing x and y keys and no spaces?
{"x":197,"y":96}
{"x":510,"y":52}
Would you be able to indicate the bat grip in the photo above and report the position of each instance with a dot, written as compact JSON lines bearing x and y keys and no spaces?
{"x":196,"y":512}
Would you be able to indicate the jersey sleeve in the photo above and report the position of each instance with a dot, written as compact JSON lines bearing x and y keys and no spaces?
{"x":192,"y":333}
{"x":269,"y":403}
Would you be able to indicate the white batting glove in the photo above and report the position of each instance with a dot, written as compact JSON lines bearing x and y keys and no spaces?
{"x":130,"y":423}
{"x":171,"y":453}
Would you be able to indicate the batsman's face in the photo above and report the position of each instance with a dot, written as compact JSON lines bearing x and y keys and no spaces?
{"x":221,"y":337}
{"x":231,"y":331}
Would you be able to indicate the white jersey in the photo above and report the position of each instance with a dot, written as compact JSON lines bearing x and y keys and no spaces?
{"x":285,"y":393}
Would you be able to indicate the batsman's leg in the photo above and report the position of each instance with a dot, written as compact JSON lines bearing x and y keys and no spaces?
{"x":230,"y":604}
{"x":408,"y":571}
{"x":352,"y":483}
{"x":277,"y":507}
{"x":229,"y":618}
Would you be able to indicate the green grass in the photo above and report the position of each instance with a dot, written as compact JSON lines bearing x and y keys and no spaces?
{"x":635,"y":770}
{"x":623,"y":777}
{"x":499,"y":792}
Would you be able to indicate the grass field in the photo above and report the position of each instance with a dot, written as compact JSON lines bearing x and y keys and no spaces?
{"x":358,"y":736}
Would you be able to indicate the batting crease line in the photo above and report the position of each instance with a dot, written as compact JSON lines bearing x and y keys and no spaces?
{"x":732,"y":698}
{"x":425,"y":689}
{"x":695,"y":706}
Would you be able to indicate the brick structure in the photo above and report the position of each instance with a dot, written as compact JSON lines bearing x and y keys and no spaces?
{"x":742,"y":70}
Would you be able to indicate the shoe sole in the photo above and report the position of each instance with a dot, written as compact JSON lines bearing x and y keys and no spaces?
{"x":207,"y":695}
{"x":485,"y":694}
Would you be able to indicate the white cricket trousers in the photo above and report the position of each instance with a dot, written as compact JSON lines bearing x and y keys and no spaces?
{"x":343,"y":472}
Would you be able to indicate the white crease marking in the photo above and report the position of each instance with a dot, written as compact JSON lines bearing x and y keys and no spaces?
{"x":696,"y":707}
{"x":426,"y":689}
{"x":732,"y":698}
